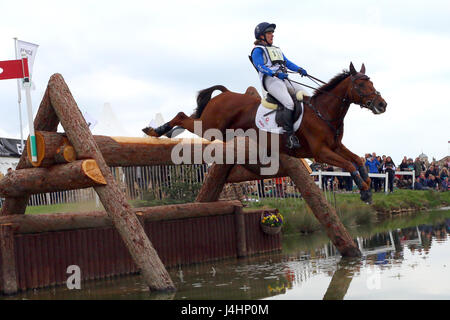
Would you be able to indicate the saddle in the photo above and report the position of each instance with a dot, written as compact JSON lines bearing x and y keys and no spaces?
{"x":272,"y":103}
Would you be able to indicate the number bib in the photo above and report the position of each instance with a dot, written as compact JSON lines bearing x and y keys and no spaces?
{"x":275,"y":54}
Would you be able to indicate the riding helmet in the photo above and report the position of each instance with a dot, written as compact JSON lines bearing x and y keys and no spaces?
{"x":264,"y":27}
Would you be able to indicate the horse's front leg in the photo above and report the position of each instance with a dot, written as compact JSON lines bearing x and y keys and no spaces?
{"x":356,"y":160}
{"x":328,"y":156}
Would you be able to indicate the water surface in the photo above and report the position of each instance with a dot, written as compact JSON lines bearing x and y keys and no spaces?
{"x":403,"y":258}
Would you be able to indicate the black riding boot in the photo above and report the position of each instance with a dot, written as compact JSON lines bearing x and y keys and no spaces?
{"x":287,"y":117}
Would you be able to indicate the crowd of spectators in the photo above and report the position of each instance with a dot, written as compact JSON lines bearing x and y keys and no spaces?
{"x":428,"y":176}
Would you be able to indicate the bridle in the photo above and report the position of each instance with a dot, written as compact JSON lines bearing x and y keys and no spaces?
{"x":344,"y":100}
{"x":370,"y":103}
{"x":353,"y":78}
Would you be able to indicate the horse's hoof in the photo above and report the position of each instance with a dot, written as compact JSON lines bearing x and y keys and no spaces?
{"x":366,"y":196}
{"x":150,"y":132}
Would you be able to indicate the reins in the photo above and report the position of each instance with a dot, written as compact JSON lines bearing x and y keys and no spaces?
{"x":316,"y":89}
{"x":317,"y":112}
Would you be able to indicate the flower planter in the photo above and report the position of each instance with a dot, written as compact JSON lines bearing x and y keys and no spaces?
{"x":270,"y":230}
{"x":266,"y":227}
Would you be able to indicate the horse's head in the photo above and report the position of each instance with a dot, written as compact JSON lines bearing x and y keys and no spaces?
{"x":363,"y":93}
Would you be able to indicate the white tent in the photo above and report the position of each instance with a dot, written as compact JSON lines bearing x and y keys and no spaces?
{"x":108,"y":124}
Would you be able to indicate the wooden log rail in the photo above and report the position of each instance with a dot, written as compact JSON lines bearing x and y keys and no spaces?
{"x":96,"y":219}
{"x":129,"y":151}
{"x":75,"y":175}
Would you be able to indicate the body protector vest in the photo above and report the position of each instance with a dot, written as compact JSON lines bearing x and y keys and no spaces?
{"x":273,"y":59}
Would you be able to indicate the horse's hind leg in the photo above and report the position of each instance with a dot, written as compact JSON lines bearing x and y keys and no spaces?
{"x":180,"y":120}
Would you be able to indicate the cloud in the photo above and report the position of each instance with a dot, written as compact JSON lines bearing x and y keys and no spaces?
{"x":151,"y":57}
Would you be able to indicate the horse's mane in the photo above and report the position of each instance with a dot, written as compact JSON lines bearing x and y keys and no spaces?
{"x":332,"y":83}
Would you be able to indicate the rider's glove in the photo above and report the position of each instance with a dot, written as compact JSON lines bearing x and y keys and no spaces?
{"x":281,"y":75}
{"x":302,"y":72}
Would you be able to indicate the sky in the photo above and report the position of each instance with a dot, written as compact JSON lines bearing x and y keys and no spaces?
{"x":146,"y":57}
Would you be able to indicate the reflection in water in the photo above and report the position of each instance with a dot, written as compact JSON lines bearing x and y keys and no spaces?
{"x":340,"y":281}
{"x":397,"y":262}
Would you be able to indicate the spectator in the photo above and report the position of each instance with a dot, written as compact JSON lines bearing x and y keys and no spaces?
{"x":373,"y":164}
{"x":423,"y":179}
{"x":445,"y":185}
{"x":404,"y":164}
{"x":366,"y":157}
{"x":436,"y":172}
{"x":432,"y":182}
{"x":418,"y":167}
{"x":380,"y":170}
{"x":419,"y":186}
{"x":410,"y":164}
{"x":389,"y":167}
{"x":442,"y":176}
{"x":429,"y":171}
{"x":326,"y":179}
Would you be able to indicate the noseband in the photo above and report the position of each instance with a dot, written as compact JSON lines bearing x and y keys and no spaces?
{"x":369,"y":104}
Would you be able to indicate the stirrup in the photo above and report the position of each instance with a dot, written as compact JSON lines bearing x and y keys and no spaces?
{"x":292,"y":142}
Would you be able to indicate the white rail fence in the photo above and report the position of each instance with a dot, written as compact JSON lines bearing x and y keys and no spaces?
{"x":384,"y":176}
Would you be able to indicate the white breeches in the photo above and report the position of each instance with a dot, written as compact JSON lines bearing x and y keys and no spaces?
{"x":281,"y":90}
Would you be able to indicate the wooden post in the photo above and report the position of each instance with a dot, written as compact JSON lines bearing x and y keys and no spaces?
{"x":241,"y":243}
{"x":114,"y":201}
{"x":9,"y":278}
{"x":214,"y":182}
{"x":320,"y":207}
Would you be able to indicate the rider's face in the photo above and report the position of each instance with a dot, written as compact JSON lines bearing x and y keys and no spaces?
{"x":269,"y":37}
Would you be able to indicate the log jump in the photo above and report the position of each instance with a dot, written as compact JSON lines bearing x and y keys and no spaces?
{"x":134,"y":151}
{"x":77,"y":159}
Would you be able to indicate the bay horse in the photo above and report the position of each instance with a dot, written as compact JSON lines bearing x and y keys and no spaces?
{"x":322,"y":128}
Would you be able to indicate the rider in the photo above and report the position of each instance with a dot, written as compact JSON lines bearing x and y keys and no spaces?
{"x":271,"y":65}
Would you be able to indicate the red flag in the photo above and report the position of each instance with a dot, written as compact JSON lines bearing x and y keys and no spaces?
{"x":13,"y":69}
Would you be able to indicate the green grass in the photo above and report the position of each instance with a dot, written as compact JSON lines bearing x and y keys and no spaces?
{"x":415,"y":199}
{"x":64,"y":207}
{"x":90,"y":206}
{"x":350,"y":209}
{"x":299,"y":217}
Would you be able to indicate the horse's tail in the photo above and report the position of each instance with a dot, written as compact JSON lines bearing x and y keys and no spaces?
{"x":203,"y":98}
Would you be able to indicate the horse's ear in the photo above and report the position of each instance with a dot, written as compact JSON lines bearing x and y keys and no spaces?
{"x":352,"y":69}
{"x":363,"y":69}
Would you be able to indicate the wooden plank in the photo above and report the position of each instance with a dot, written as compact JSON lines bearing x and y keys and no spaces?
{"x":8,"y":259}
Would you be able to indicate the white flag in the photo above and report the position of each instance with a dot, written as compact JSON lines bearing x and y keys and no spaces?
{"x":30,"y":50}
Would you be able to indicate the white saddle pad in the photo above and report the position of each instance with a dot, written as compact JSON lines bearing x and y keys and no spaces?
{"x":268,"y":123}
